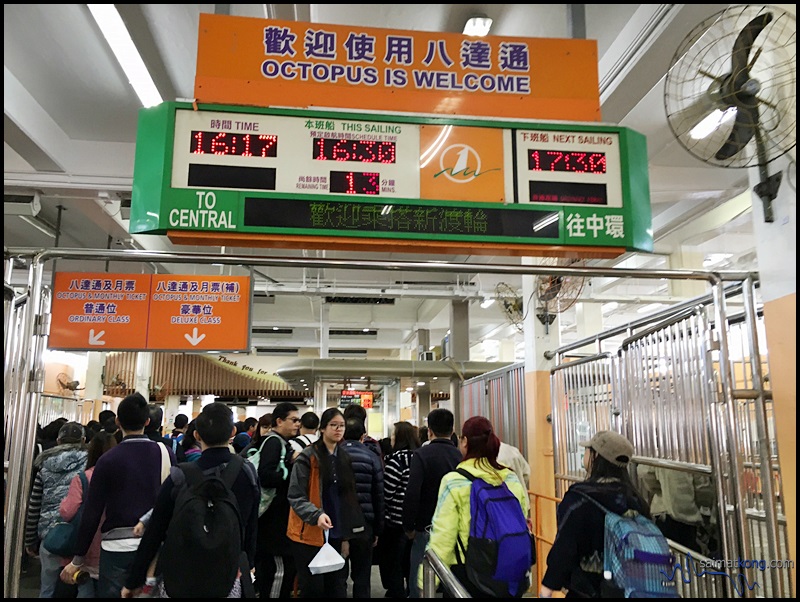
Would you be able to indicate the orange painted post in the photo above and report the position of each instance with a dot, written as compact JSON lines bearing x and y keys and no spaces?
{"x":538,"y":535}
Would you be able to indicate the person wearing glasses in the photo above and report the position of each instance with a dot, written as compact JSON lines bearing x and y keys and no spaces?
{"x":275,"y":570}
{"x":322,"y":495}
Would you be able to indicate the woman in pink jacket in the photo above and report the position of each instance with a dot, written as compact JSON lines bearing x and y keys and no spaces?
{"x":100,"y":443}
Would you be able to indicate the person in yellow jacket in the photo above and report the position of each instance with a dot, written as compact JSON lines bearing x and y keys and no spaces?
{"x":479,"y":446}
{"x":322,"y":496}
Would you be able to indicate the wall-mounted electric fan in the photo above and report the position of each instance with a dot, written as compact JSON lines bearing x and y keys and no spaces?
{"x":730,"y":92}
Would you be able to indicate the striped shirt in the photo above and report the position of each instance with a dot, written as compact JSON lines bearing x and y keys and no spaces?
{"x":395,"y":480}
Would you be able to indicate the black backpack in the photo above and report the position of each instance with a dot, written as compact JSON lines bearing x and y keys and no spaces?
{"x":202,"y":551}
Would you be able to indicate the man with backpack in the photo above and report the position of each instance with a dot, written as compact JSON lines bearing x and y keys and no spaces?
{"x":309,"y":425}
{"x":275,"y":570}
{"x":124,"y":486}
{"x":206,"y":516}
{"x":428,"y":465}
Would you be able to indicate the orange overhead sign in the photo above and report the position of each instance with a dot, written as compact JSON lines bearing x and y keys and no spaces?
{"x":105,"y":312}
{"x":271,"y":63}
{"x":199,"y":313}
{"x":99,"y":311}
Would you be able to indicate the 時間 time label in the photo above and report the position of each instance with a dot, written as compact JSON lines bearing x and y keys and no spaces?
{"x":568,"y":168}
{"x":218,"y":150}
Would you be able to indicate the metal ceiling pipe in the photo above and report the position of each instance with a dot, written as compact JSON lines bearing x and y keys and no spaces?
{"x":44,"y":255}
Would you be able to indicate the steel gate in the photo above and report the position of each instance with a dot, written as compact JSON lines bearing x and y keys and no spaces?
{"x":691,"y":397}
{"x":499,"y":396}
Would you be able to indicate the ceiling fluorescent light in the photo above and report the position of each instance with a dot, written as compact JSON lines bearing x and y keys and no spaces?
{"x":610,"y":306}
{"x":40,"y":225}
{"x":477,"y":26}
{"x":650,"y":308}
{"x":487,"y":302}
{"x":128,"y":56}
{"x":712,"y":122}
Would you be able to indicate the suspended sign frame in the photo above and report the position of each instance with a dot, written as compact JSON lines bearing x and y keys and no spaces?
{"x":243,"y":176}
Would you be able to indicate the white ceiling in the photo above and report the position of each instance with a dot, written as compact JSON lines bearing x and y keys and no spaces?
{"x":70,"y":133}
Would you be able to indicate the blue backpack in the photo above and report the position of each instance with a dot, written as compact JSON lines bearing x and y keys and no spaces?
{"x":637,"y":561}
{"x":498,"y":559}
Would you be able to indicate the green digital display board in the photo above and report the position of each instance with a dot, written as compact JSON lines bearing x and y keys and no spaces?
{"x":225,"y":172}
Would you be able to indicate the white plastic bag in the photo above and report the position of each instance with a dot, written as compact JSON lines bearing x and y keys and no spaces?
{"x":327,"y":559}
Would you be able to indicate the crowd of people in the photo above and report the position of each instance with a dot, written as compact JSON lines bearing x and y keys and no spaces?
{"x":381,"y":503}
{"x":373,"y":501}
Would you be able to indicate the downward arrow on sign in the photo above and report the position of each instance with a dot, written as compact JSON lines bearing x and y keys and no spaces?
{"x":96,"y":339}
{"x":193,"y":338}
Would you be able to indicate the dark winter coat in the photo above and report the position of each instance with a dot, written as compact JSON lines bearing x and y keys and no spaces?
{"x":575,"y":561}
{"x":368,"y":472}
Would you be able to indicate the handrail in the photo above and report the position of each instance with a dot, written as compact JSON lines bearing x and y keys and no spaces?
{"x":432,"y":566}
{"x":539,"y":537}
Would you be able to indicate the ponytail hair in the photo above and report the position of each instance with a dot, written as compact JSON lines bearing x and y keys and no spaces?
{"x":482,"y":444}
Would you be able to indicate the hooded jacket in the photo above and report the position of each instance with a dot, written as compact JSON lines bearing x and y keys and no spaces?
{"x":55,"y":468}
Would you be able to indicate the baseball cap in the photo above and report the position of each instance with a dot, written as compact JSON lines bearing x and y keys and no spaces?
{"x":612,"y":446}
{"x":71,"y":432}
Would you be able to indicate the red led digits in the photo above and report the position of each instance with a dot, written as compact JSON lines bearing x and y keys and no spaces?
{"x":360,"y":151}
{"x":354,"y":182}
{"x":234,"y":145}
{"x":566,"y":161}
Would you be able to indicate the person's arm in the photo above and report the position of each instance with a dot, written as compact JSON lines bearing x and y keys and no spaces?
{"x":298,"y":492}
{"x":34,"y":513}
{"x":144,"y":520}
{"x":153,"y":535}
{"x":412,"y":497}
{"x":72,"y":502}
{"x":564,"y":556}
{"x":103,"y":479}
{"x":378,"y":501}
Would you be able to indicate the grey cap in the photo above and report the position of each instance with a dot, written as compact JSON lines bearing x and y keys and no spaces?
{"x":71,"y":432}
{"x":612,"y":446}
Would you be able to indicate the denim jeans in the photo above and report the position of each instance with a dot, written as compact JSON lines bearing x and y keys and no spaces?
{"x":88,"y":589}
{"x":417,"y":553}
{"x":113,"y":571}
{"x":50,"y":574}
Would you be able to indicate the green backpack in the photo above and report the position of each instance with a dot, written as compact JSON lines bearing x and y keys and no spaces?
{"x":254,"y":456}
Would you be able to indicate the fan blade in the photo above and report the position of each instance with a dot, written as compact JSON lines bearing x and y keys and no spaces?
{"x":742,"y":47}
{"x":744,"y":128}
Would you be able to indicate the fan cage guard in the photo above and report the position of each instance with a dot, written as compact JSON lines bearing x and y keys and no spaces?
{"x":510,"y":301}
{"x":704,"y":58}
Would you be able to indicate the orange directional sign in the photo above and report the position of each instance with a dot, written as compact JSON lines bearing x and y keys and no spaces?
{"x":199,"y":313}
{"x":99,"y":311}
